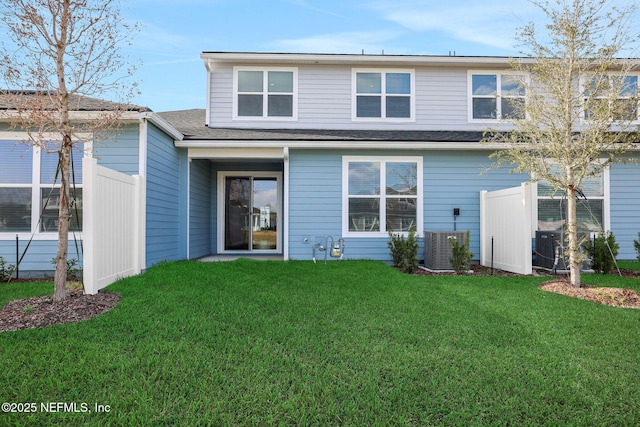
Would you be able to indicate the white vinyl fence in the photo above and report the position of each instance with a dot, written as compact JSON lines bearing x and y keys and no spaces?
{"x":113,"y":225}
{"x":505,"y":229}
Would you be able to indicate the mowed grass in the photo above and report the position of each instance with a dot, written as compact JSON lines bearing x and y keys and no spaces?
{"x":346,"y":343}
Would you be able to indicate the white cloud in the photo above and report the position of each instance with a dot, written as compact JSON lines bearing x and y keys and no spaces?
{"x":490,"y":23}
{"x":156,"y":39}
{"x":346,"y":42}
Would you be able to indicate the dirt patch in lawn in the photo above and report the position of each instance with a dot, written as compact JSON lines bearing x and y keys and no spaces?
{"x":40,"y":312}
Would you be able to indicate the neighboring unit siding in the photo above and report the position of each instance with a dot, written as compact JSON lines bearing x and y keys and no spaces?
{"x":121,"y":152}
{"x":451,"y":180}
{"x":200,"y":206}
{"x":166,"y":232}
{"x":37,"y":259}
{"x":625,"y":207}
{"x":325,"y":101}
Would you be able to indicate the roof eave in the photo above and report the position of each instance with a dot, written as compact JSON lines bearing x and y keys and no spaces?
{"x":338,"y":144}
{"x":164,"y":125}
{"x":212,"y":58}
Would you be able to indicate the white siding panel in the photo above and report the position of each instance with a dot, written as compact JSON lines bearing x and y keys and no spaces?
{"x":325,"y":101}
{"x":441,"y":101}
{"x":221,"y":96}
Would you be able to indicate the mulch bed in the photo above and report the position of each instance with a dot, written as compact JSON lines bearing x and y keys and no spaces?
{"x":40,"y":312}
{"x":616,"y":297}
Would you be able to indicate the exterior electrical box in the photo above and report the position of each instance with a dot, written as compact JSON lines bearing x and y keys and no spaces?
{"x":437,"y":248}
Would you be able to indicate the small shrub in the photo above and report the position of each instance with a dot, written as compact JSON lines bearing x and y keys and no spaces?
{"x":603,"y":250}
{"x":72,"y":270}
{"x":461,"y":256}
{"x":6,"y":270}
{"x":404,"y":252}
{"x":636,"y":245}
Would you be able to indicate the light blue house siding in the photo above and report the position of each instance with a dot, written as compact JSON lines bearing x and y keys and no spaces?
{"x":37,"y":260}
{"x":167,"y":170}
{"x":122,"y":152}
{"x":452,"y":179}
{"x":315,"y":203}
{"x":625,"y":207}
{"x":200,"y":208}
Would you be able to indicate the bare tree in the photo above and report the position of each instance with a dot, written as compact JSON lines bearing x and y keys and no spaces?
{"x":581,"y":101}
{"x":58,"y":53}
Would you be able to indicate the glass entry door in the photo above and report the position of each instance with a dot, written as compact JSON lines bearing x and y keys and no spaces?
{"x":251,"y":213}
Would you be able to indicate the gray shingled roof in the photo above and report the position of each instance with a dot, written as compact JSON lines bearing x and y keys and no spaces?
{"x":191,"y":123}
{"x":9,"y":101}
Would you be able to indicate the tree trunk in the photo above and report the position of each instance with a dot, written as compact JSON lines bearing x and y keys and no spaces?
{"x":60,"y":277}
{"x":572,"y":233}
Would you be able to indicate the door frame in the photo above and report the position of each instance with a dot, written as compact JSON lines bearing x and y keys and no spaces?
{"x":221,"y":211}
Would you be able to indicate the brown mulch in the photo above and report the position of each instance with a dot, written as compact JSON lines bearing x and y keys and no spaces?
{"x":616,"y":297}
{"x":40,"y":312}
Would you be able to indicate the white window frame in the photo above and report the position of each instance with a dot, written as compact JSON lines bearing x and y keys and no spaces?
{"x":346,"y":160}
{"x":265,"y":94}
{"x":584,"y":81}
{"x":498,"y":96}
{"x":606,"y":201}
{"x":383,"y":95}
{"x":36,"y":190}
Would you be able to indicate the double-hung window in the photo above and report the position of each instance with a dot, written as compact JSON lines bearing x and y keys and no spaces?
{"x":496,"y":96}
{"x":611,"y":97}
{"x":381,"y":195}
{"x":591,"y":209}
{"x":383,"y":95}
{"x":265,"y":93}
{"x":30,"y":191}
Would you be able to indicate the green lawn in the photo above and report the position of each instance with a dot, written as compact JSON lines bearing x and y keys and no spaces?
{"x":347,"y":343}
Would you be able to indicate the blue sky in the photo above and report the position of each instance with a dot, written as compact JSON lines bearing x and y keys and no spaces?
{"x":174,"y":33}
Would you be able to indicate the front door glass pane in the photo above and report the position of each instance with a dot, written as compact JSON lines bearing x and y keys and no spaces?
{"x":265,"y":214}
{"x":237,"y":213}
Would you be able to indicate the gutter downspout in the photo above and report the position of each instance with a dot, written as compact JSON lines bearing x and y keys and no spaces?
{"x":285,"y":216}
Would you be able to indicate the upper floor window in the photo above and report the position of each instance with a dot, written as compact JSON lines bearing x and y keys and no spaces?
{"x":496,"y":96}
{"x":385,"y":95}
{"x":612,"y":96}
{"x":265,"y":93}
